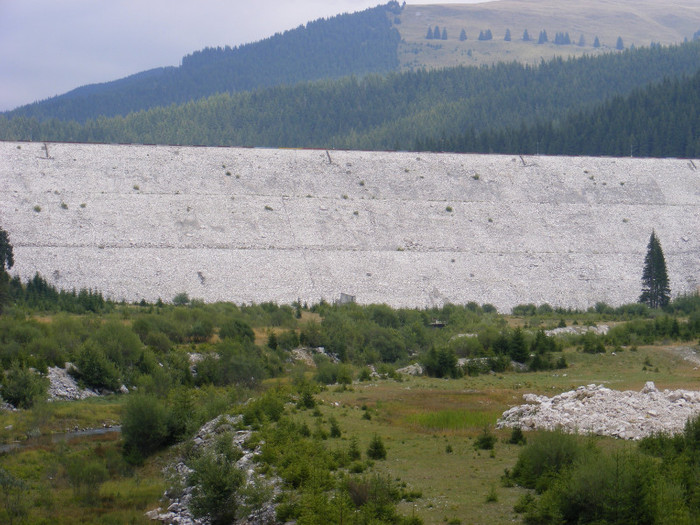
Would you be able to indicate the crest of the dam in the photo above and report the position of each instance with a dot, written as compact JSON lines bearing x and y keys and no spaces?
{"x":407,"y":229}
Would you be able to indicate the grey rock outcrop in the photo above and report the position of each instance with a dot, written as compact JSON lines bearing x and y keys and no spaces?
{"x":178,"y":512}
{"x":63,"y":387}
{"x":414,"y":369}
{"x":595,"y":409}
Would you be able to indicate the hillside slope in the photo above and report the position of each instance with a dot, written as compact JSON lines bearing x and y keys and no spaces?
{"x":400,"y":111}
{"x":385,"y":38}
{"x":637,"y":22}
{"x":357,"y":43}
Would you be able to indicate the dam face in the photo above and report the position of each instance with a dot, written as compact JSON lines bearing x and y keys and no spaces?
{"x":407,"y":229}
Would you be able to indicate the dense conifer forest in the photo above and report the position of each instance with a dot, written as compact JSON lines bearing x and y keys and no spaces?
{"x":641,"y":99}
{"x":661,"y":120}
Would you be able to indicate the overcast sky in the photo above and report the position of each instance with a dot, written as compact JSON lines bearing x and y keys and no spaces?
{"x":48,"y":47}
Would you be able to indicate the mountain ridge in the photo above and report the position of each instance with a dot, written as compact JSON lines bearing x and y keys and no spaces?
{"x":385,"y":38}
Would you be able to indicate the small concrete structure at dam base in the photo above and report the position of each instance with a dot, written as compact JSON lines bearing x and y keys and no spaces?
{"x":406,"y":229}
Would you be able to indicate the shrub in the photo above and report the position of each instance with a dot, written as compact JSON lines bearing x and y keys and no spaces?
{"x":200,"y":331}
{"x":93,"y":368}
{"x":288,"y":340}
{"x":441,"y":363}
{"x":236,"y":330}
{"x":22,"y":387}
{"x":517,"y":437}
{"x":144,"y":426}
{"x":216,"y":482}
{"x":181,"y":299}
{"x":544,"y":457}
{"x":335,"y":428}
{"x":119,"y":343}
{"x":610,"y":488}
{"x":365,"y":374}
{"x":486,"y":440}
{"x":240,"y":363}
{"x":158,"y":341}
{"x":354,"y":450}
{"x":376,"y":448}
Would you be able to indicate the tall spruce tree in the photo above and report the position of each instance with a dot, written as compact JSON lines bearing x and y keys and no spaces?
{"x":655,"y":288}
{"x":6,"y":262}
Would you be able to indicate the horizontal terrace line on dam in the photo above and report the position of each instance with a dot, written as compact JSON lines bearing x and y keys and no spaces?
{"x":404,"y":228}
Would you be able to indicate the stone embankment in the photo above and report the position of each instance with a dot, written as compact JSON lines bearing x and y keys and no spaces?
{"x":595,"y":409}
{"x":405,"y":229}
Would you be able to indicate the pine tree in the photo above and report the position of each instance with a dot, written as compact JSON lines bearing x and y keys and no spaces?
{"x":463,"y":36}
{"x":543,"y":37}
{"x":517,"y":347}
{"x":619,"y":45}
{"x":526,"y":36}
{"x":6,"y":262}
{"x":596,"y":42}
{"x":429,"y":36}
{"x":376,"y":448}
{"x":6,"y":257}
{"x":655,"y":288}
{"x":507,"y":37}
{"x":444,"y":33}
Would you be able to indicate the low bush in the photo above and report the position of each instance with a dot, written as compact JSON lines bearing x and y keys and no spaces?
{"x":93,"y":369}
{"x":216,"y":482}
{"x":23,"y":387}
{"x":376,"y":449}
{"x":544,"y":457}
{"x":144,"y":426}
{"x":486,"y":440}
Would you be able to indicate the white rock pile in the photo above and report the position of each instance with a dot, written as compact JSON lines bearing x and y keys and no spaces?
{"x":63,"y":387}
{"x":595,"y":409}
{"x":578,"y":330}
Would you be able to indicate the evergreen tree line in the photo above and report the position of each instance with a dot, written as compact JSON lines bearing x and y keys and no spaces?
{"x":357,"y":43}
{"x":37,"y":293}
{"x":485,"y":109}
{"x":661,"y":120}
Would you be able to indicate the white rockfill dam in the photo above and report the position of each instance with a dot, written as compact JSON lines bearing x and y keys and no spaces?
{"x":407,"y":229}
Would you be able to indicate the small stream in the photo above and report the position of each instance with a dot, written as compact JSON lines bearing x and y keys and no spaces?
{"x":57,"y":437}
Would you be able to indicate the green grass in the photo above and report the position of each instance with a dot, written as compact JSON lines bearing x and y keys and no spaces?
{"x":418,"y":418}
{"x":607,"y":20}
{"x":452,"y":419}
{"x":49,"y":498}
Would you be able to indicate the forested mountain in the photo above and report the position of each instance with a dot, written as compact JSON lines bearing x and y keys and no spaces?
{"x":438,"y":109}
{"x":386,"y":38}
{"x":657,"y":121}
{"x":358,"y":43}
